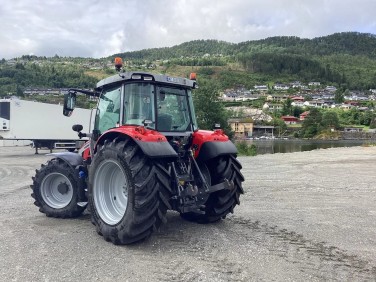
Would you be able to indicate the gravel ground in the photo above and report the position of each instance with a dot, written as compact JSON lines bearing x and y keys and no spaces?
{"x":306,"y":216}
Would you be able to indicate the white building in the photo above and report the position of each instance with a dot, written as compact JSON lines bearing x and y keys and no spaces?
{"x":261,"y":87}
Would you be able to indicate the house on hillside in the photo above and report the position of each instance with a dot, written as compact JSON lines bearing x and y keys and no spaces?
{"x":303,"y":115}
{"x":298,"y":98}
{"x":261,"y":88}
{"x":290,"y":119}
{"x":280,"y":86}
{"x":314,"y":83}
{"x":272,"y":107}
{"x":346,"y":106}
{"x":296,"y":84}
{"x":243,"y":127}
{"x":229,"y":95}
{"x":277,"y":98}
{"x":298,"y":104}
{"x":330,"y":88}
{"x":315,"y":103}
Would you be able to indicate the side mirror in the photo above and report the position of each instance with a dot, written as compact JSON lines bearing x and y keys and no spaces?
{"x":77,"y":127}
{"x":69,"y":103}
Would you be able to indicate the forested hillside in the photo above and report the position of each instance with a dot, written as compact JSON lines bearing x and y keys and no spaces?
{"x":346,"y":60}
{"x":351,"y":43}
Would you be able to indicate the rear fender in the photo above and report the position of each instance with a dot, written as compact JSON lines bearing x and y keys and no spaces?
{"x":210,"y":144}
{"x":152,"y":143}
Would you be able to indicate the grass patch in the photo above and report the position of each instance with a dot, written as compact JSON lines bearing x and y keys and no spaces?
{"x":296,"y":125}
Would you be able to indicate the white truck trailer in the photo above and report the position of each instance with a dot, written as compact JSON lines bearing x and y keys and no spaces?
{"x":42,"y":125}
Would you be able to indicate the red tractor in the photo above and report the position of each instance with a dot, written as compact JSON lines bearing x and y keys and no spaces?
{"x":145,"y":155}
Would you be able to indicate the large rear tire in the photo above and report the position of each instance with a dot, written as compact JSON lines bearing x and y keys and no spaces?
{"x":56,"y":189}
{"x":128,"y":192}
{"x":222,"y":202}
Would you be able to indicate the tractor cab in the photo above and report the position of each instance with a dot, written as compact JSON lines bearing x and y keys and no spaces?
{"x":156,"y":102}
{"x":136,"y":102}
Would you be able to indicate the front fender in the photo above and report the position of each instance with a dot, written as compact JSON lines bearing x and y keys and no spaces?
{"x":210,"y":144}
{"x":157,"y":149}
{"x":210,"y":150}
{"x":71,"y":158}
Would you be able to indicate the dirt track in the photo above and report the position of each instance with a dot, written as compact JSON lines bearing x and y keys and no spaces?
{"x":306,"y":216}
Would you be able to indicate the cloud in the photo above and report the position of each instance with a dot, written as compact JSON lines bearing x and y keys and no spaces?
{"x":101,"y":28}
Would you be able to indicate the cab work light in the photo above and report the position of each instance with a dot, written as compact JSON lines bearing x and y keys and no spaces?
{"x":136,"y":76}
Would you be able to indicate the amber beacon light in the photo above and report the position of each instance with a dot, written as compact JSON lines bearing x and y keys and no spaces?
{"x":192,"y":76}
{"x":118,"y":63}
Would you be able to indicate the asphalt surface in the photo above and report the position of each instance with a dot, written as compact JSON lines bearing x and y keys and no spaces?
{"x":306,"y":216}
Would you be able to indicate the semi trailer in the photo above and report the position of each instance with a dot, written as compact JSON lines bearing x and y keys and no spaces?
{"x":42,"y":125}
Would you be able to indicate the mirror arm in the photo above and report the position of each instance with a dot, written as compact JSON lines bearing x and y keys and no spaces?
{"x":86,"y":92}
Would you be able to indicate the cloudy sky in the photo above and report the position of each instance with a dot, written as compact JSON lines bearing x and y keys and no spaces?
{"x":99,"y":28}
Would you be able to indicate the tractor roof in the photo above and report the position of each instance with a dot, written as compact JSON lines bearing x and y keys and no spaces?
{"x":144,"y":76}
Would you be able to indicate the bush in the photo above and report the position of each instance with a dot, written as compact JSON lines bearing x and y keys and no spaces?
{"x":245,"y":149}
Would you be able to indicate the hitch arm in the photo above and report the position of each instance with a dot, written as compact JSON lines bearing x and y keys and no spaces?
{"x":225,"y":185}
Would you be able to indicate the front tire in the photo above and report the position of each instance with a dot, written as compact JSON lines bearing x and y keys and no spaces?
{"x":56,"y":189}
{"x":128,"y":192}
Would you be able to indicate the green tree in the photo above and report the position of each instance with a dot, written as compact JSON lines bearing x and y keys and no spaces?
{"x":373,"y":123}
{"x":312,"y":124}
{"x":280,"y":126}
{"x":19,"y":91}
{"x":367,"y":118}
{"x":339,"y":96}
{"x":296,"y":111}
{"x":287,"y":108}
{"x":330,"y":120}
{"x":209,"y":110}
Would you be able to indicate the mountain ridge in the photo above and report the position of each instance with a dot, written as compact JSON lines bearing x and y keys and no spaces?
{"x":346,"y":60}
{"x":350,"y":41}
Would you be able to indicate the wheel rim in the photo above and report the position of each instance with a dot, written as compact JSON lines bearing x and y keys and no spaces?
{"x":56,"y":190}
{"x":110,"y":190}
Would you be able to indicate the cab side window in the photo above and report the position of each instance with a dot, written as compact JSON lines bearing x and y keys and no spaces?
{"x":139,"y":103}
{"x":108,"y":114}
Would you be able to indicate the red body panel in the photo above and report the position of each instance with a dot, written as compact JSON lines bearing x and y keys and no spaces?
{"x":85,"y":150}
{"x":202,"y":136}
{"x":139,"y":133}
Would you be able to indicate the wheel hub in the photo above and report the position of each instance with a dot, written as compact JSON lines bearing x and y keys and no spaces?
{"x":56,"y":190}
{"x":63,"y":188}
